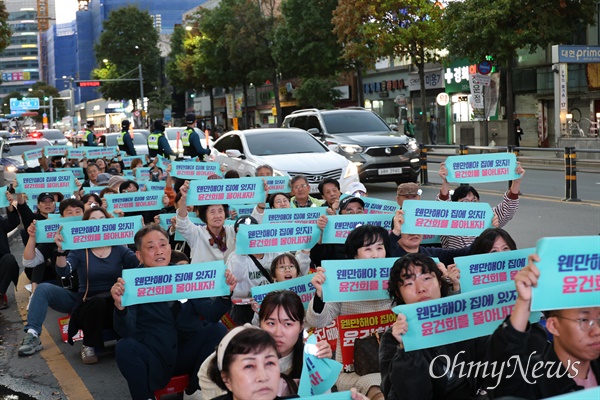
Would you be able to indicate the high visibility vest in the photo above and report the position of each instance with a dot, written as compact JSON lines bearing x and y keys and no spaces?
{"x":120,"y":138}
{"x":185,"y":141}
{"x":153,"y":141}
{"x":87,"y":134}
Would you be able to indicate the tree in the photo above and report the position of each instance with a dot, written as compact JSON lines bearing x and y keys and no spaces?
{"x":43,"y":91}
{"x":128,"y":39}
{"x":6,"y":104}
{"x":5,"y":28}
{"x":517,"y":24}
{"x":317,"y":93}
{"x":391,"y":28}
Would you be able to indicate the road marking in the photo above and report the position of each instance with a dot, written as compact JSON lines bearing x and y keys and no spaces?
{"x":68,"y":379}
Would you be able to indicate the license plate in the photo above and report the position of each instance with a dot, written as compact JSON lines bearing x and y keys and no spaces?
{"x":389,"y":171}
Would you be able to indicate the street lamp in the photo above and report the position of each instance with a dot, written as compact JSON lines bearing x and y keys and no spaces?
{"x":72,"y":99}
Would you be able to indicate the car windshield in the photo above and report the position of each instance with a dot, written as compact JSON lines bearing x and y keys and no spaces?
{"x":172,"y":133}
{"x":277,"y":143}
{"x":353,"y":122}
{"x":16,"y":149}
{"x":52,"y":134}
{"x":138,"y":138}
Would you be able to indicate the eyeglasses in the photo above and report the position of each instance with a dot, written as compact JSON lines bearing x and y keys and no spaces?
{"x":585,"y":324}
{"x":286,"y":267}
{"x":304,"y":185}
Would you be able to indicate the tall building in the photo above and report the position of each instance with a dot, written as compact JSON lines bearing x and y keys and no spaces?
{"x":21,"y":63}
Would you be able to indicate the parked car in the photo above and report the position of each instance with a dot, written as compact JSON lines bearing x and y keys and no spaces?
{"x":11,"y":153}
{"x":144,"y":132}
{"x":139,"y":141}
{"x":171,"y":134}
{"x":288,"y":154}
{"x":360,"y":135}
{"x":54,"y":136}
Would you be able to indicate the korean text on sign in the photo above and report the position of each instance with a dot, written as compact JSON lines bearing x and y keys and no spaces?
{"x":356,"y":280}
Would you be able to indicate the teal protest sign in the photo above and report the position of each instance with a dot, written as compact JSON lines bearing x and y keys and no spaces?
{"x":142,"y":174}
{"x":129,"y":174}
{"x":151,"y":186}
{"x":93,"y":153}
{"x":93,"y":189}
{"x":377,"y":206}
{"x":490,"y":269}
{"x":46,"y":229}
{"x":175,"y":282}
{"x":357,"y":280}
{"x":293,"y":215}
{"x":53,"y":151}
{"x":77,"y":172}
{"x":429,"y":239}
{"x":99,"y":232}
{"x":258,"y":239}
{"x":162,"y":162}
{"x":569,"y":273}
{"x":3,"y":199}
{"x":446,"y":217}
{"x":277,"y":184}
{"x":318,"y":374}
{"x":227,"y":191}
{"x":76,"y":153}
{"x":165,"y":222}
{"x":339,"y":226}
{"x":136,"y":201}
{"x":128,"y":159}
{"x":586,"y":394}
{"x":329,"y":396}
{"x":459,"y":317}
{"x":301,"y":286}
{"x":194,"y":169}
{"x":480,"y":168}
{"x":46,"y":182}
{"x":242,"y":209}
{"x":31,"y":155}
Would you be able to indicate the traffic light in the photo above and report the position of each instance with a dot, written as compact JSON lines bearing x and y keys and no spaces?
{"x":45,"y":98}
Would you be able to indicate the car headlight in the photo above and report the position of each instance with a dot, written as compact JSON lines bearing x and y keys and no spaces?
{"x":11,"y":168}
{"x":351,"y":148}
{"x":412,"y":145}
{"x":351,"y":170}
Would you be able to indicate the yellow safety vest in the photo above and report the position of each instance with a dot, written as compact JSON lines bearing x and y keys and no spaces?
{"x":185,"y":137}
{"x":120,"y":138}
{"x":153,"y":141}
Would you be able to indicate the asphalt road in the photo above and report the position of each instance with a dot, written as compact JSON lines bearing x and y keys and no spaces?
{"x":58,"y":373}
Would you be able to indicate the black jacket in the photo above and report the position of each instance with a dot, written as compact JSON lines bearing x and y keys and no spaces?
{"x":7,"y":224}
{"x":446,"y":256}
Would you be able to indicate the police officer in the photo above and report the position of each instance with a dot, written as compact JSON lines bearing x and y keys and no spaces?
{"x":88,"y":138}
{"x":124,"y":139}
{"x":191,"y":140}
{"x":157,"y":142}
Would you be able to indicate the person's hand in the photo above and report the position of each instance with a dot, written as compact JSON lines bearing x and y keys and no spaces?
{"x":322,"y":222}
{"x":451,"y":274}
{"x":520,"y":170}
{"x":184,"y":190}
{"x":117,"y":291}
{"x":230,"y":281}
{"x":168,"y":170}
{"x":43,"y":161}
{"x":233,"y":214}
{"x":398,"y":222}
{"x":58,"y":239}
{"x":165,"y":200}
{"x":118,"y":213}
{"x":330,"y":211}
{"x":356,"y":395}
{"x":443,"y":172}
{"x":324,"y":349}
{"x":254,"y":306}
{"x":318,"y":279}
{"x":104,"y":203}
{"x":173,"y":224}
{"x":400,"y":327}
{"x":527,"y":278}
{"x":223,"y":169}
{"x":157,"y":219}
{"x":31,"y":229}
{"x":335,"y":206}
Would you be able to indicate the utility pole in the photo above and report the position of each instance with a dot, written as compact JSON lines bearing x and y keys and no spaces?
{"x":142,"y":92}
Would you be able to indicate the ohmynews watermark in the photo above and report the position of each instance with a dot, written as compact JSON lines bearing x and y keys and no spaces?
{"x":530,"y":372}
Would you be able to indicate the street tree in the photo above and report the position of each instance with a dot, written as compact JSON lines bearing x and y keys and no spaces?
{"x":408,"y":29}
{"x":6,"y":103}
{"x":517,"y":24}
{"x":127,"y":40}
{"x":5,"y":28}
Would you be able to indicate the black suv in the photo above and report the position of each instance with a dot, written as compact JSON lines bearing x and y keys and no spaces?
{"x":360,"y":135}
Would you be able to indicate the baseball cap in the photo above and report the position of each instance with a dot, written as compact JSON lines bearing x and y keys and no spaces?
{"x":125,"y":123}
{"x":355,"y":189}
{"x":116,"y":180}
{"x":103,"y":178}
{"x":347,"y":200}
{"x":190,"y":118}
{"x":48,"y":195}
{"x":409,"y":188}
{"x":90,"y":122}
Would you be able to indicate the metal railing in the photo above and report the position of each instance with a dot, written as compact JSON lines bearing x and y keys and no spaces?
{"x":570,"y":161}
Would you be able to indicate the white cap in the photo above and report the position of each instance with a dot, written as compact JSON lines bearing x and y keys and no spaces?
{"x":354,"y":187}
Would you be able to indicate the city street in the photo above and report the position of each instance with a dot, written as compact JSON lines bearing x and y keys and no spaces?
{"x":58,"y":373}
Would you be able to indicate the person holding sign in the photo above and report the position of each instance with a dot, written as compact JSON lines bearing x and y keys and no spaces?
{"x":164,"y":338}
{"x":9,"y":269}
{"x":98,"y":268}
{"x":285,"y":267}
{"x":300,"y":192}
{"x":330,"y":190}
{"x":366,"y":241}
{"x":46,"y":204}
{"x":493,"y":240}
{"x":570,"y":363}
{"x":503,"y":212}
{"x":212,"y":242}
{"x":191,"y":140}
{"x":416,"y":278}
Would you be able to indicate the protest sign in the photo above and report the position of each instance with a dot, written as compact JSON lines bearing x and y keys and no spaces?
{"x":227,"y":191}
{"x":488,"y":269}
{"x":142,"y":174}
{"x":53,"y":151}
{"x":356,"y":280}
{"x":45,"y":229}
{"x":293,"y":215}
{"x":174,"y":282}
{"x":329,"y":333}
{"x":339,"y":226}
{"x":33,"y":155}
{"x":446,"y":217}
{"x":151,"y":186}
{"x":318,"y":374}
{"x":277,"y":184}
{"x":30,"y":183}
{"x":301,"y":286}
{"x":257,"y":239}
{"x":569,"y":273}
{"x":93,"y":189}
{"x":377,"y":206}
{"x":130,"y":174}
{"x":194,"y":169}
{"x":329,"y":396}
{"x":99,"y":232}
{"x":480,"y":168}
{"x":77,"y":171}
{"x":3,"y":199}
{"x":358,"y":326}
{"x":458,"y":317}
{"x":162,"y":162}
{"x":242,"y":209}
{"x":128,"y":159}
{"x":76,"y":153}
{"x":92,"y":152}
{"x":136,"y":201}
{"x":586,"y":394}
{"x":430,"y":239}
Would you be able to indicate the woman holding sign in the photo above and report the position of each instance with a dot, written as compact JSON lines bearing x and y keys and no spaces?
{"x":366,"y":241}
{"x":98,"y":268}
{"x":211,"y":242}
